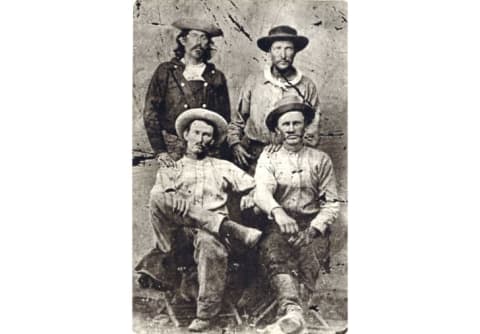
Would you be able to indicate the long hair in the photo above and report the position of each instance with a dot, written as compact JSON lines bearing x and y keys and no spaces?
{"x":180,"y":49}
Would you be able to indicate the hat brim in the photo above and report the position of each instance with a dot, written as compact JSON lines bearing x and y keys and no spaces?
{"x":300,"y":42}
{"x":274,"y":115}
{"x":194,"y":24}
{"x":188,"y":116}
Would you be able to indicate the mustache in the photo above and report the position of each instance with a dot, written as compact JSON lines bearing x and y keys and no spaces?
{"x":198,"y":46}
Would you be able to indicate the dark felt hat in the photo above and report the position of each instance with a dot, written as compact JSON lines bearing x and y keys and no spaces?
{"x":197,"y":24}
{"x":286,"y":104}
{"x":282,"y":33}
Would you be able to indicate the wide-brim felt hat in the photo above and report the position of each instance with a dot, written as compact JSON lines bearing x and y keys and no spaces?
{"x":286,"y":104}
{"x":282,"y":33}
{"x":190,"y":115}
{"x":197,"y":24}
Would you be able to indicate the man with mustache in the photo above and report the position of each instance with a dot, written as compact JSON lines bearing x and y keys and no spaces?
{"x":247,"y":133}
{"x":295,"y":187}
{"x":188,"y":206}
{"x":186,"y":81}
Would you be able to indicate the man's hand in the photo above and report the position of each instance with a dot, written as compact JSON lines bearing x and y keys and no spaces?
{"x":303,"y":238}
{"x":272,"y":148}
{"x":241,"y":155}
{"x":165,"y":160}
{"x":320,"y":227}
{"x":180,"y":206}
{"x":287,"y":224}
{"x":276,"y":143}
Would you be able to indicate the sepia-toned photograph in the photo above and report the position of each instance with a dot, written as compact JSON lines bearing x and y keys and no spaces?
{"x":239,"y":154}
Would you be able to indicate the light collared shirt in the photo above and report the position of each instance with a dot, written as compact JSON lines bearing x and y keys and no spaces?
{"x":193,"y":72}
{"x":302,"y":183}
{"x":257,"y":98}
{"x":206,"y":182}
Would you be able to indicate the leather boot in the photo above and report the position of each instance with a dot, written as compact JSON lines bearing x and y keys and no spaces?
{"x":247,"y":236}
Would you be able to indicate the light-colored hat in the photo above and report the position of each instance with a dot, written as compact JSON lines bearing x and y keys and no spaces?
{"x":282,"y":33}
{"x":190,"y":115}
{"x":286,"y":104}
{"x":196,"y":24}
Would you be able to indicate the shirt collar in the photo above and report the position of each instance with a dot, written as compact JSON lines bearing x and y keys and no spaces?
{"x":202,"y":64}
{"x":302,"y":148}
{"x":267,"y":73}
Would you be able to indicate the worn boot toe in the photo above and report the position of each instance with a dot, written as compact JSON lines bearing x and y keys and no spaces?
{"x":292,"y":323}
{"x":199,"y":325}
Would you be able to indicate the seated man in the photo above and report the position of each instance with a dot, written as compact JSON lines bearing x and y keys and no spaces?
{"x":295,"y":187}
{"x":189,"y":200}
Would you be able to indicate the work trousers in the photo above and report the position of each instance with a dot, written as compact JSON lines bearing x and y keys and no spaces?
{"x":210,"y":254}
{"x":277,"y":256}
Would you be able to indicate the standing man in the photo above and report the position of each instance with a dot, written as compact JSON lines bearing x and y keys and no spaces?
{"x":295,"y":187}
{"x":247,"y":133}
{"x":186,"y":81}
{"x":188,"y":204}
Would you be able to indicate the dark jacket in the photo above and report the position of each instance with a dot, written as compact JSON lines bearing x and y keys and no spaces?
{"x":169,"y":94}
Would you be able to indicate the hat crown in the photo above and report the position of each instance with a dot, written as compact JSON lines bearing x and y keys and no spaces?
{"x":289,"y":99}
{"x":282,"y":30}
{"x":198,"y":24}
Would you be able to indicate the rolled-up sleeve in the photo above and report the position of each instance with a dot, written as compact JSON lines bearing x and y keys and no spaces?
{"x":266,"y":184}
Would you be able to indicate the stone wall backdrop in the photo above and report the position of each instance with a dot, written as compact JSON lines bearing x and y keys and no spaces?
{"x":243,"y":22}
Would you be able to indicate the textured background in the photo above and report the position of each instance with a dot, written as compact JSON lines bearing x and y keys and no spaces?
{"x":243,"y":22}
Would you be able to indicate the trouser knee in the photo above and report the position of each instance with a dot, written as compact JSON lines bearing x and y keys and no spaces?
{"x":209,"y":247}
{"x":274,"y":254}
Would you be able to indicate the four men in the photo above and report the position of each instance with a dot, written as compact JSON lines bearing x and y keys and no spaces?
{"x":188,"y":103}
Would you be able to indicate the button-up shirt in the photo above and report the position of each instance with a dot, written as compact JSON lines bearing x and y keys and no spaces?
{"x":206,"y":182}
{"x":302,"y":183}
{"x":257,"y":98}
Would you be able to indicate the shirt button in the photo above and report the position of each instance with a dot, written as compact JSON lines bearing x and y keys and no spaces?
{"x":213,"y":71}
{"x":185,"y":106}
{"x":182,"y":84}
{"x":175,"y":66}
{"x":204,"y":105}
{"x":205,"y":84}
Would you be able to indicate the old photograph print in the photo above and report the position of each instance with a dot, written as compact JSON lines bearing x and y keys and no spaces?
{"x":239,"y":156}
